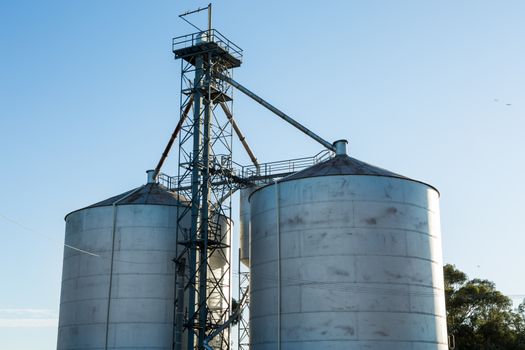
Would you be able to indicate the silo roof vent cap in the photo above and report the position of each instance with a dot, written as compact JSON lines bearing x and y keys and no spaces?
{"x":151,"y":176}
{"x":340,"y":147}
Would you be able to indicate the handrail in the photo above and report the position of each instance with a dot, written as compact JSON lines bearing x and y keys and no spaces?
{"x":204,"y":36}
{"x":250,"y":173}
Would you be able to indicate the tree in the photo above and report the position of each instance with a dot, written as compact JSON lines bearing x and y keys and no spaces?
{"x":479,"y":316}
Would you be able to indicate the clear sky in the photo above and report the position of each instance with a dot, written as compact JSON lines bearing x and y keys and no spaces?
{"x":434,"y":90}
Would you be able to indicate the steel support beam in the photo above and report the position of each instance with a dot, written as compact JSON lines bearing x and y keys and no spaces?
{"x":179,"y":308}
{"x":205,"y":202}
{"x":172,"y":138}
{"x":240,"y":135}
{"x":195,"y":188}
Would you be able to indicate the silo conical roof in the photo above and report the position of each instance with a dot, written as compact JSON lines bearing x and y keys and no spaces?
{"x":342,"y":165}
{"x":345,"y":165}
{"x":151,"y":193}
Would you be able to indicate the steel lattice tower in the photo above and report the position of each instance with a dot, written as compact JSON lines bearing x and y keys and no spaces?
{"x":205,"y":178}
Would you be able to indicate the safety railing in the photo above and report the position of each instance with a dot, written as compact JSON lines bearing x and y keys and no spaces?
{"x":167,"y":181}
{"x":250,"y":173}
{"x":207,"y":36}
{"x":278,"y":168}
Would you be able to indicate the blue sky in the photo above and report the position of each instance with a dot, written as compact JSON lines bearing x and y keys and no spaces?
{"x":434,"y":90}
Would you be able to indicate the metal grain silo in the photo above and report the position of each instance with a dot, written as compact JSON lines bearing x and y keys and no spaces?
{"x":244,"y":224}
{"x":118,"y":292}
{"x":345,"y":255}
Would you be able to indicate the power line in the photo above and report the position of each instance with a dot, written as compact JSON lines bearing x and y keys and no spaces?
{"x":28,"y":229}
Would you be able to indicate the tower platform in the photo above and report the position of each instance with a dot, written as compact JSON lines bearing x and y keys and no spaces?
{"x":187,"y":47}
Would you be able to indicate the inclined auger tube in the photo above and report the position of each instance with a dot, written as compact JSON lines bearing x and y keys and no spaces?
{"x":276,"y":111}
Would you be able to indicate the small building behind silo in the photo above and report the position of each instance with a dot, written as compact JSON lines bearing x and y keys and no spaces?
{"x":343,"y":256}
{"x":118,"y":274}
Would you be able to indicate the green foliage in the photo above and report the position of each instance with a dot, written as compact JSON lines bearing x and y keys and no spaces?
{"x":479,"y":316}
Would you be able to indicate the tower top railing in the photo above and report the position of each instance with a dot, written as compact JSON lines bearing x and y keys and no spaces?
{"x":206,"y":37}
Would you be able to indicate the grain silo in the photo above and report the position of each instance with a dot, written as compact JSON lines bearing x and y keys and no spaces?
{"x":341,"y":254}
{"x":244,"y":224}
{"x":345,"y":255}
{"x":118,"y":280}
